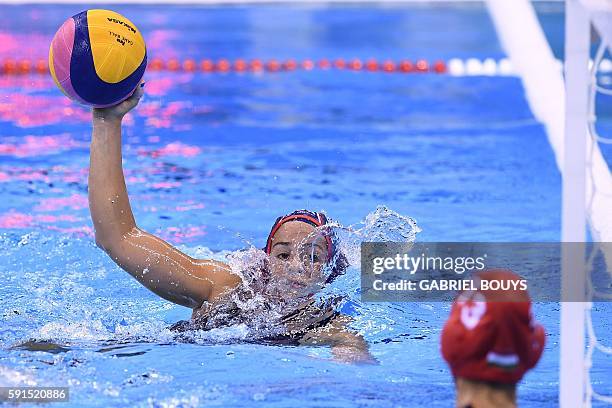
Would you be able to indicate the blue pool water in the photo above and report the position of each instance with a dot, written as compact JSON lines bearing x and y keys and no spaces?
{"x":211,"y":161}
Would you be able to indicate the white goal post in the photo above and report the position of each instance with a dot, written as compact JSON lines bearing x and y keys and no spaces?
{"x":572,"y":379}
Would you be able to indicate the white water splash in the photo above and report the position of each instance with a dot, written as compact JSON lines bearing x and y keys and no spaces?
{"x":73,"y":303}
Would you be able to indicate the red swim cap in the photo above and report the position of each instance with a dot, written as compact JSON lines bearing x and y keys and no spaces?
{"x":313,"y":218}
{"x":491,"y":335}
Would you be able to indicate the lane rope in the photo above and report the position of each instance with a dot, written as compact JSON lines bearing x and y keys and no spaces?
{"x":454,"y":67}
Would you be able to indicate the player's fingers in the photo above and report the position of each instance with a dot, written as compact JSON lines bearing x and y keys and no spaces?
{"x":133,"y":100}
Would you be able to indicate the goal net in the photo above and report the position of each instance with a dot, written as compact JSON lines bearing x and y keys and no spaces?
{"x":599,"y":14}
{"x":566,"y":102}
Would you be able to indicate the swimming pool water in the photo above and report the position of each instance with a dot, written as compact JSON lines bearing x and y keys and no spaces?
{"x":211,"y":161}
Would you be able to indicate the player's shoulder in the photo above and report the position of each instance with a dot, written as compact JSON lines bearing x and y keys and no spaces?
{"x":220,"y":275}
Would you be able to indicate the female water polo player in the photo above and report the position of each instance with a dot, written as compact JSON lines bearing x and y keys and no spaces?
{"x":490,"y":341}
{"x":300,"y":253}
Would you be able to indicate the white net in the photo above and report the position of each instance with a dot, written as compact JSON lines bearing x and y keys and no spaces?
{"x":597,"y":314}
{"x":600,"y":88}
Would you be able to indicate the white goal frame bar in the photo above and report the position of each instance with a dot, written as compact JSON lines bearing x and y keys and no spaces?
{"x":572,"y":378}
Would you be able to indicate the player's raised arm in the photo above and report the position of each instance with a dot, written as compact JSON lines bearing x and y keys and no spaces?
{"x":156,"y":264}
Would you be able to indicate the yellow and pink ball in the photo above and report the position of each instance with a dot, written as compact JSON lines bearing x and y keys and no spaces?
{"x":97,"y":58}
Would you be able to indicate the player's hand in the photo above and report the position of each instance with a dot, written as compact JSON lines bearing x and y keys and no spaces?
{"x":118,"y":111}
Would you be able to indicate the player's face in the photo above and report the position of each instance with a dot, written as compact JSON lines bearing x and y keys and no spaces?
{"x":298,"y":255}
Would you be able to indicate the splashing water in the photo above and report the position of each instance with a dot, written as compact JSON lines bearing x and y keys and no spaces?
{"x":381,"y":225}
{"x":257,"y":308}
{"x":68,"y":309}
{"x":65,"y":304}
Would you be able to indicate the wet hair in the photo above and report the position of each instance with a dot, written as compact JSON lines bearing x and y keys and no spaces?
{"x":336,"y":260}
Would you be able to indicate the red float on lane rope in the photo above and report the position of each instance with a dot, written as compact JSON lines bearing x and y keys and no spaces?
{"x":240,"y":65}
{"x":256,"y":65}
{"x":189,"y":65}
{"x":223,"y":65}
{"x":173,"y":65}
{"x":290,"y":65}
{"x":308,"y":65}
{"x":207,"y":65}
{"x":440,"y":67}
{"x":156,"y":64}
{"x":406,"y":66}
{"x":356,"y":65}
{"x":42,"y":67}
{"x":324,"y":64}
{"x":388,"y":66}
{"x":371,"y":65}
